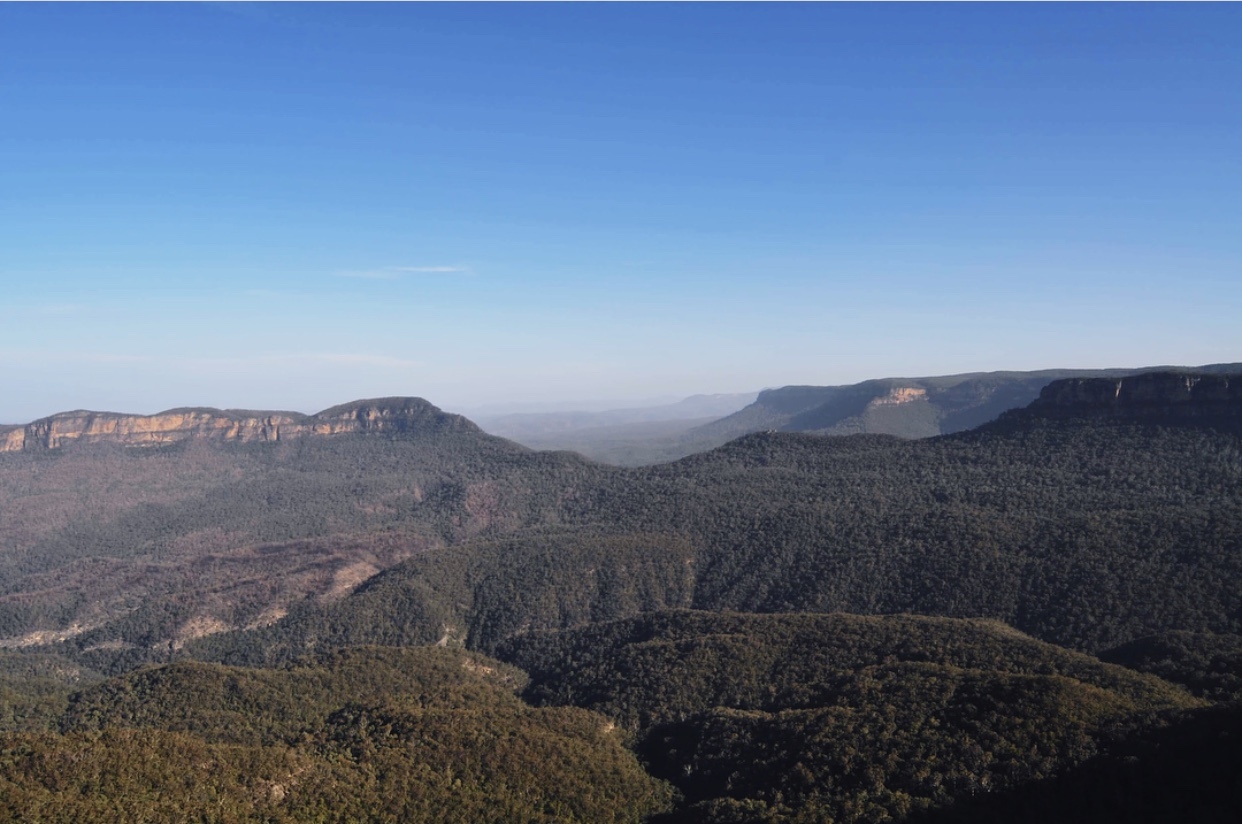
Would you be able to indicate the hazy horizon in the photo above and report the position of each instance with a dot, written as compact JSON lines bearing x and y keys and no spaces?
{"x":291,"y":206}
{"x":503,"y":408}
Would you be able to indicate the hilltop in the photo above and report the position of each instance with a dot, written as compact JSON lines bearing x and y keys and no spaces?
{"x":241,"y":426}
{"x":788,"y":627}
{"x":907,"y":407}
{"x":1067,"y":527}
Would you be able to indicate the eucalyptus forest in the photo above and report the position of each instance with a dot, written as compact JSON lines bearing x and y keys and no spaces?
{"x":403,"y":618}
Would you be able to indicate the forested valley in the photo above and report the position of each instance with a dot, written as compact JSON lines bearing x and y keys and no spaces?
{"x":1039,"y":619}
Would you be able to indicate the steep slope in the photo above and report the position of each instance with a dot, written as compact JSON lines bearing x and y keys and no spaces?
{"x":837,"y":717}
{"x":1087,"y":533}
{"x":906,"y":407}
{"x":362,"y":735}
{"x":1187,"y":771}
{"x":1106,"y":512}
{"x":659,"y":667}
{"x":477,"y":595}
{"x":1164,"y":398}
{"x":212,"y":532}
{"x":176,"y":425}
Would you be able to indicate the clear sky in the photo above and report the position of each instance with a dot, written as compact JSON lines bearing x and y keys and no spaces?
{"x":291,"y":206}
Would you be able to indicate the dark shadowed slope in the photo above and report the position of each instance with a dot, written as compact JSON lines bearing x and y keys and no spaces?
{"x":211,"y":532}
{"x":906,"y":407}
{"x":1083,"y":532}
{"x":838,"y":717}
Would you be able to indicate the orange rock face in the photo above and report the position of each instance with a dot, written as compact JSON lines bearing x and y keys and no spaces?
{"x":899,"y":395}
{"x":175,"y":425}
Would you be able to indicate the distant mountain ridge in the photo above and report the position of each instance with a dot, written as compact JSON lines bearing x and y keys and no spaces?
{"x":785,"y":628}
{"x":908,"y":407}
{"x":1067,"y":527}
{"x":1152,"y":397}
{"x":173,"y":425}
{"x":905,"y":407}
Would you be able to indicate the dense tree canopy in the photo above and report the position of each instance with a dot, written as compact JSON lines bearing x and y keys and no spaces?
{"x":787,"y":628}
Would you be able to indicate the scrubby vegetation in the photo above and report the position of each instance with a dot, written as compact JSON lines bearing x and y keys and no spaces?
{"x":789,"y":628}
{"x":373,"y":734}
{"x":1087,"y":536}
{"x":838,"y":717}
{"x":1206,"y":663}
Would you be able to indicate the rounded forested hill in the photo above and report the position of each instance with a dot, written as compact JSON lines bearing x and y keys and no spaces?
{"x":376,"y":735}
{"x":146,"y":546}
{"x":662,"y":666}
{"x":841,"y":718}
{"x":1086,"y":534}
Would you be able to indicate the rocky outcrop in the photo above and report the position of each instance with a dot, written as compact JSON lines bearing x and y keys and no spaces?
{"x":396,"y":415}
{"x":1154,"y":397}
{"x":899,"y":395}
{"x":906,"y":407}
{"x":914,"y":407}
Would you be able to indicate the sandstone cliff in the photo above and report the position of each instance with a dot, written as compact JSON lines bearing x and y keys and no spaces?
{"x":1154,"y":397}
{"x":912,"y":407}
{"x":379,"y":415}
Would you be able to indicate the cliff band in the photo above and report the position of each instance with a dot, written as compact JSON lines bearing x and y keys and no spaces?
{"x":1157,"y":397}
{"x":381,"y":415}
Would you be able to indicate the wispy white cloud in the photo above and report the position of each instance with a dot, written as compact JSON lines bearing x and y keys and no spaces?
{"x":398,"y":272}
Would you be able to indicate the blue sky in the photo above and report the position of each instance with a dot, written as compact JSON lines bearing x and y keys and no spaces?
{"x":290,"y":206}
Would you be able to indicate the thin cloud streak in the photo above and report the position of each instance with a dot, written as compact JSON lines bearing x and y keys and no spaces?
{"x":397,"y":272}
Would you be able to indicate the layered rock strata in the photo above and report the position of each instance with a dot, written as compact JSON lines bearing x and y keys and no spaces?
{"x":1154,"y":397}
{"x":382,"y":415}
